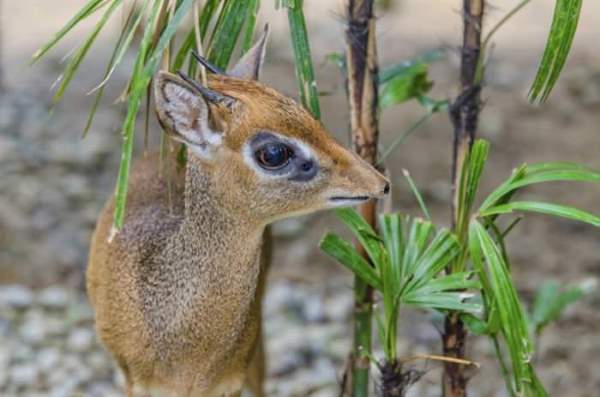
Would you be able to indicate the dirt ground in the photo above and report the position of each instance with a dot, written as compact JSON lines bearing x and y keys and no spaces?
{"x":53,"y":186}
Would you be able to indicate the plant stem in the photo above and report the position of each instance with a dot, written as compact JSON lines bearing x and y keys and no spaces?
{"x":361,"y":60}
{"x":503,"y":367}
{"x":464,"y":114}
{"x":1,"y":73}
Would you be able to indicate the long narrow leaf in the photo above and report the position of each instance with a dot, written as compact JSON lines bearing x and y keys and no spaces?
{"x":139,"y":87}
{"x":545,"y":208}
{"x":558,"y":46}
{"x":418,"y":237}
{"x":364,"y":233}
{"x":253,"y":7}
{"x":417,"y":194}
{"x":347,"y":255}
{"x":190,"y":39}
{"x":443,"y":249}
{"x":442,"y":301}
{"x":88,"y":9}
{"x":541,"y":173}
{"x":454,"y":281}
{"x":123,"y":43}
{"x":391,"y":227}
{"x":78,"y":56}
{"x":487,"y":259}
{"x":304,"y":65}
{"x":228,"y":28}
{"x":121,"y":47}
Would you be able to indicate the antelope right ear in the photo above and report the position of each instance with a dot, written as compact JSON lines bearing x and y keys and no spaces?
{"x":250,"y":65}
{"x":185,"y":114}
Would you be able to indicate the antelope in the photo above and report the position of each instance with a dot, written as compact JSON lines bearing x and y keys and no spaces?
{"x":177,"y":291}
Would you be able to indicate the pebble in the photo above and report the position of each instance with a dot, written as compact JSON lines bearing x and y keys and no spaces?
{"x":81,"y":339}
{"x":17,"y":296}
{"x":33,"y":330}
{"x":99,"y":362}
{"x":314,"y":309}
{"x":48,"y":358}
{"x":54,"y":297}
{"x":23,"y":375}
{"x":339,"y":307}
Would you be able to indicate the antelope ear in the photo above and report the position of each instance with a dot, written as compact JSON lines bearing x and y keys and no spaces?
{"x":250,"y":65}
{"x":185,"y":115}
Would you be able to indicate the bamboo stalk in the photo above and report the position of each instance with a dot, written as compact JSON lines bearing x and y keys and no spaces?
{"x":361,"y":57}
{"x":464,"y":114}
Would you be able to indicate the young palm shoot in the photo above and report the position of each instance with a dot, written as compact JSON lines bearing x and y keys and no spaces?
{"x":408,"y":258}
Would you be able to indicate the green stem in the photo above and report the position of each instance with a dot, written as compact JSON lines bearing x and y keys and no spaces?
{"x":402,"y":137}
{"x":488,"y":37}
{"x":503,"y":367}
{"x":362,"y":339}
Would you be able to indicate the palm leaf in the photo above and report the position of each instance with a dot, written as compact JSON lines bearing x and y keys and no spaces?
{"x":490,"y":264}
{"x":88,"y":9}
{"x":304,"y":65}
{"x":545,"y":208}
{"x":558,"y":46}
{"x":346,"y":254}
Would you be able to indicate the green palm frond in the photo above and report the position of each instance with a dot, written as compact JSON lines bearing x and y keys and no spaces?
{"x":307,"y":84}
{"x":558,"y":46}
{"x":408,"y":258}
{"x":161,"y":23}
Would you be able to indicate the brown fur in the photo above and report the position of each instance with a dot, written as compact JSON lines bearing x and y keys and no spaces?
{"x":177,"y":292}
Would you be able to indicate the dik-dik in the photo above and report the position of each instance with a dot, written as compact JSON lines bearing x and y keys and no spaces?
{"x":177,"y":291}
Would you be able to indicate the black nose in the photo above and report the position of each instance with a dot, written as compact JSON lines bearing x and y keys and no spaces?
{"x":386,"y":188}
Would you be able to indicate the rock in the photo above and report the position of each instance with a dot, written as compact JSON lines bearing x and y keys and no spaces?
{"x":17,"y":296}
{"x":278,"y":296}
{"x":286,"y":363}
{"x":314,"y":309}
{"x":33,"y":329}
{"x":48,"y":359}
{"x":80,"y":340}
{"x":4,"y":326}
{"x":103,"y":390}
{"x":56,"y":326}
{"x":23,"y":375}
{"x":54,"y":297}
{"x":57,"y":377}
{"x":82,"y":374}
{"x":21,"y":352}
{"x":327,"y":391}
{"x":339,"y":307}
{"x":66,"y":388}
{"x":99,"y":362}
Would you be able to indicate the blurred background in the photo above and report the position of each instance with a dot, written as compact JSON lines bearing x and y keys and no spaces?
{"x":53,"y":184}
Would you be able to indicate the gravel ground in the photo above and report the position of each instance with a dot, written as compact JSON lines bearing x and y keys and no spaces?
{"x":48,"y":346}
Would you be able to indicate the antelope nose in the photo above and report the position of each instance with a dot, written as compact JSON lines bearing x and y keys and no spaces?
{"x":386,"y":188}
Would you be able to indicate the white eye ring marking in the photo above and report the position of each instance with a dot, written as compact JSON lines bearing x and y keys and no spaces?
{"x":248,"y":153}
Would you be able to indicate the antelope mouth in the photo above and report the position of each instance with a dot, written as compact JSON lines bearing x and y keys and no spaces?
{"x":348,"y":199}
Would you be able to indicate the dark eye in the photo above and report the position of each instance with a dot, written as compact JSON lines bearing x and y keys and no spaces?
{"x":274,"y":156}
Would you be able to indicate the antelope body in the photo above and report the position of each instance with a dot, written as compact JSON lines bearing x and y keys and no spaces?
{"x":177,"y":291}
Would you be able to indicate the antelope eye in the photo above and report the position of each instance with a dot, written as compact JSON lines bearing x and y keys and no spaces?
{"x":273,"y":156}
